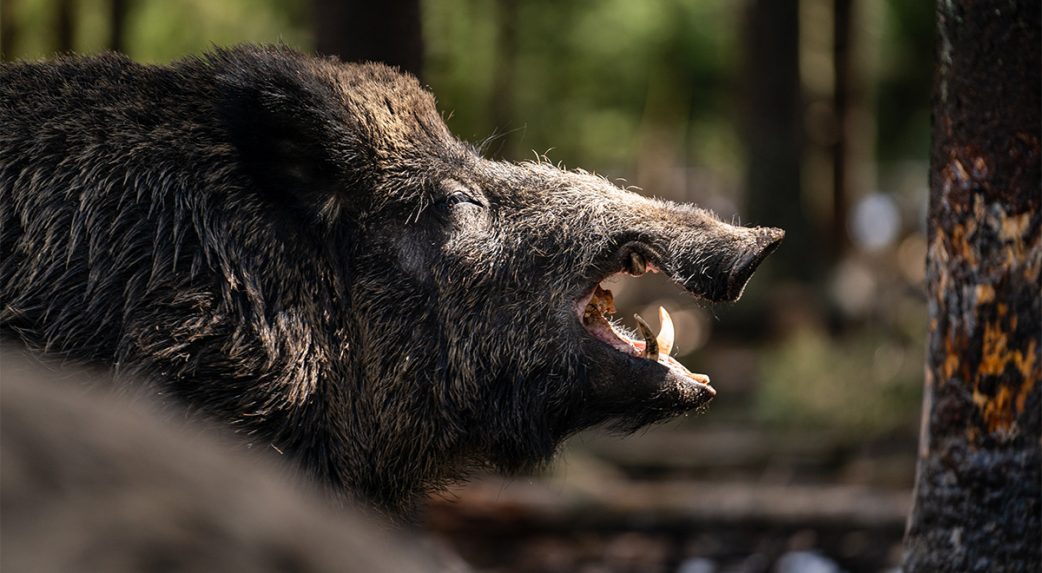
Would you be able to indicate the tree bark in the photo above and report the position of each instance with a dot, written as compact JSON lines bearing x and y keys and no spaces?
{"x":387,"y":31}
{"x":977,"y":503}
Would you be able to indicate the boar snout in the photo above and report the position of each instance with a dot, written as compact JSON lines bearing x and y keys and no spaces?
{"x":714,"y":260}
{"x":765,"y":241}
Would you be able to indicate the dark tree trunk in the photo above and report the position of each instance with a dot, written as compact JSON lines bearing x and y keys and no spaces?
{"x":117,"y":24}
{"x":977,"y":502}
{"x":503,"y":80}
{"x":842,"y":62}
{"x":7,"y":32}
{"x":64,"y":24}
{"x":387,"y":31}
{"x":773,"y":131}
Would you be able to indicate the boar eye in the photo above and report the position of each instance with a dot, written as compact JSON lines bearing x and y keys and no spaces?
{"x":458,"y":197}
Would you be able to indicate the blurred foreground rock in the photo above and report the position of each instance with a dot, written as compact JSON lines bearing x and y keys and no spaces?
{"x":95,"y":482}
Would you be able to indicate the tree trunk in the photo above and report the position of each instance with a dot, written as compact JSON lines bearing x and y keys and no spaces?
{"x":773,"y":132}
{"x":387,"y":31}
{"x":7,"y":30}
{"x":977,"y":502}
{"x":65,"y":20}
{"x":117,"y":24}
{"x":842,"y":62}
{"x":503,"y":78}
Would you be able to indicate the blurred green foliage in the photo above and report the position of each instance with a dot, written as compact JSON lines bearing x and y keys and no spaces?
{"x":588,"y":79}
{"x":589,"y":75}
{"x":161,"y":30}
{"x":858,"y":386}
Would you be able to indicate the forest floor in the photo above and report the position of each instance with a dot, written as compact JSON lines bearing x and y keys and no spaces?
{"x":612,"y":509}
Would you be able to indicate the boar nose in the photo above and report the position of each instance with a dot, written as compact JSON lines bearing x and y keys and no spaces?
{"x":715,"y":260}
{"x":764,"y":242}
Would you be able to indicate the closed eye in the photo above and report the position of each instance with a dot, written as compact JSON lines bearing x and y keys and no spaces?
{"x":460,"y":197}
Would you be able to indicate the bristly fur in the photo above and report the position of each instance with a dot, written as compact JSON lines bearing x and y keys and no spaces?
{"x":300,"y":249}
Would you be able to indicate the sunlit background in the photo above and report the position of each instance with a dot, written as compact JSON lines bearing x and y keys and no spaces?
{"x":811,"y":115}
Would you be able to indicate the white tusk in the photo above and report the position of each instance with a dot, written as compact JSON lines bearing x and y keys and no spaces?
{"x":666,"y":333}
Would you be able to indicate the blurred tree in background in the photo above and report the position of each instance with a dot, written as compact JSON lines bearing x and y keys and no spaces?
{"x":773,"y":128}
{"x":358,"y":30}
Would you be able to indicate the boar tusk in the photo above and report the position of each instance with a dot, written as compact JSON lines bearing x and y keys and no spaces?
{"x":666,"y":333}
{"x":650,"y":344}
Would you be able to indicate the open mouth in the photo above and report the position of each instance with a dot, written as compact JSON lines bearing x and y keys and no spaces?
{"x":595,"y":312}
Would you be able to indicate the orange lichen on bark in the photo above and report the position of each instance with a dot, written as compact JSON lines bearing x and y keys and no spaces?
{"x":951,"y":365}
{"x":1014,"y":227}
{"x":985,"y":294}
{"x":961,"y":244}
{"x":986,"y":243}
{"x":997,"y":411}
{"x":1003,"y":375}
{"x":1027,"y":368}
{"x":1001,"y":407}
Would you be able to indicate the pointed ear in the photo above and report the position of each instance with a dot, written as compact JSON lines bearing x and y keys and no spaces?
{"x":282,"y":122}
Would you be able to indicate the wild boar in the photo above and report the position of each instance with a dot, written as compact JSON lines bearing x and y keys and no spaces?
{"x":299,"y":248}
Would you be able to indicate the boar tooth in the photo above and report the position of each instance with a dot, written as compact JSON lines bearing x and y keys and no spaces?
{"x":700,"y":378}
{"x":650,"y":344}
{"x":666,"y":333}
{"x":638,"y":265}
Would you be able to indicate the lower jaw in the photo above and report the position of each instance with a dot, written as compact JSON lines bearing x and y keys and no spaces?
{"x":628,"y":392}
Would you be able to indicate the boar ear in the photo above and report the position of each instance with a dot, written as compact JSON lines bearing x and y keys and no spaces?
{"x":281,"y":124}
